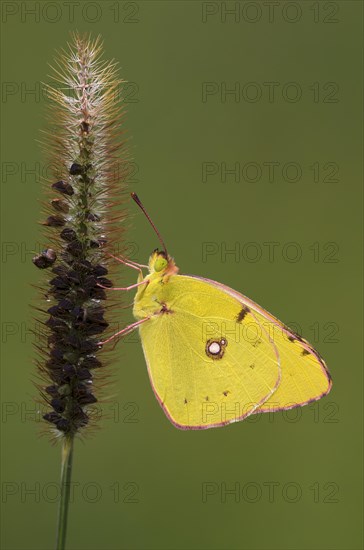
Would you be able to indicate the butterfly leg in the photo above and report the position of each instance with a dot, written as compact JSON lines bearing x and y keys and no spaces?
{"x":123,"y":288}
{"x":129,"y":263}
{"x":124,"y":331}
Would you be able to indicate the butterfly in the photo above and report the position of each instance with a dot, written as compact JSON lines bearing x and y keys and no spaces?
{"x":213,"y":355}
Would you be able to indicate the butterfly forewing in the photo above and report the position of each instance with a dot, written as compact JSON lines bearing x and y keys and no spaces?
{"x":210,"y":360}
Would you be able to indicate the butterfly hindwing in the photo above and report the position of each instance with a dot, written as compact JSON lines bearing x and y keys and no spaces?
{"x":210,"y":360}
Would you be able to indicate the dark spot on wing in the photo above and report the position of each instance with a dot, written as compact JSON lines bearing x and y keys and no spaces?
{"x":256,"y":343}
{"x":226,"y":392}
{"x":206,"y":398}
{"x":165,"y":309}
{"x":305,"y":352}
{"x":294,"y":336}
{"x":252,"y":366}
{"x":242,"y":313}
{"x":215,"y":348}
{"x":186,"y":401}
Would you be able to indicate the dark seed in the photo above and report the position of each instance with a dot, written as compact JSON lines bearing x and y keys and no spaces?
{"x":85,"y":126}
{"x":100,"y":270}
{"x":63,"y":425}
{"x":52,"y":364}
{"x":98,"y":293}
{"x":63,"y":187}
{"x":82,"y":422}
{"x":54,"y":376}
{"x":55,"y":323}
{"x":57,"y":353}
{"x":105,"y":282}
{"x":52,"y":390}
{"x":92,"y":328}
{"x":87,"y":399}
{"x":84,"y":374}
{"x":55,"y":221}
{"x":75,"y":248}
{"x":80,"y":294}
{"x":87,"y":346}
{"x":91,"y":362}
{"x":95,"y":314}
{"x":58,"y":405}
{"x":68,"y":234}
{"x":69,"y":370}
{"x":60,"y":283}
{"x":60,"y":270}
{"x":68,"y":258}
{"x":93,"y":218}
{"x":83,"y":266}
{"x":55,"y":311}
{"x":74,"y":276}
{"x":60,"y":205}
{"x":45,"y":259}
{"x":76,"y":169}
{"x":78,"y":313}
{"x":52,"y":417}
{"x":66,"y":304}
{"x":79,"y":417}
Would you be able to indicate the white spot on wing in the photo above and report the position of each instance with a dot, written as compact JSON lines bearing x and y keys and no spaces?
{"x":214,"y":348}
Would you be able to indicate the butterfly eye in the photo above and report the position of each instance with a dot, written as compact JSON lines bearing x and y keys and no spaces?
{"x":160,"y":264}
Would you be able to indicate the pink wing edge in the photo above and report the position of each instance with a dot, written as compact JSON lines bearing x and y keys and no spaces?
{"x":225,"y":423}
{"x":255,"y":307}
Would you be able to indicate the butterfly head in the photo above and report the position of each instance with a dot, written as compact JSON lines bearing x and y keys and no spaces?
{"x":161,"y":263}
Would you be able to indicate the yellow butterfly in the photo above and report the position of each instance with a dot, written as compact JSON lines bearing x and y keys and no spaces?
{"x":214,"y":356}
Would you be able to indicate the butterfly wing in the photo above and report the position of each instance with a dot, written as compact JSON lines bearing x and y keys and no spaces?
{"x":304,"y":377}
{"x":210,"y":361}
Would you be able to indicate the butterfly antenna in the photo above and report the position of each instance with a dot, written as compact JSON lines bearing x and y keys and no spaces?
{"x":139,"y":203}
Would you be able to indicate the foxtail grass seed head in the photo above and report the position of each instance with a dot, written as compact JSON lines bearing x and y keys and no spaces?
{"x":84,"y":143}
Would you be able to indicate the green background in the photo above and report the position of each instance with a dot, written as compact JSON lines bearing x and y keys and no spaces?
{"x":168,"y":52}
